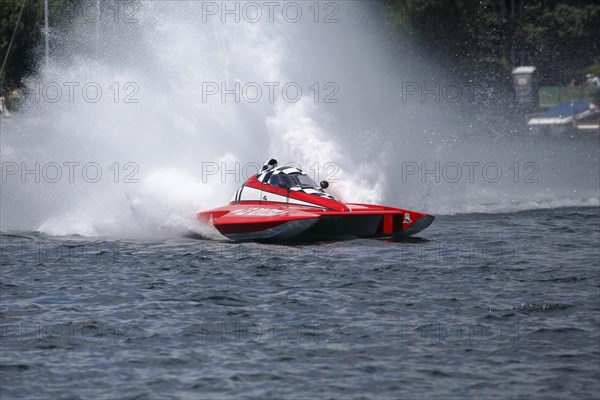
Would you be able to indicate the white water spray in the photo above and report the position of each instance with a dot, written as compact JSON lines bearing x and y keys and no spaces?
{"x":153,"y":108}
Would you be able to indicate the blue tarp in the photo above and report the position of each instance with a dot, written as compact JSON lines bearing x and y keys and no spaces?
{"x":566,"y":110}
{"x":563,"y":113}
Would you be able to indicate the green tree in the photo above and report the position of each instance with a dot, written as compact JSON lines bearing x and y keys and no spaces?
{"x":559,"y":37}
{"x":29,"y":35}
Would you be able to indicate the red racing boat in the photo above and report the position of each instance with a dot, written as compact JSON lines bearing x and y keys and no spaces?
{"x":284,"y":204}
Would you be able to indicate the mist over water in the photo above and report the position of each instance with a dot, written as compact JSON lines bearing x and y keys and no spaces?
{"x":154,"y":138}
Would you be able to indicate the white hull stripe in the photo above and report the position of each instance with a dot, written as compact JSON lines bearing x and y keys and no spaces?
{"x":252,"y":194}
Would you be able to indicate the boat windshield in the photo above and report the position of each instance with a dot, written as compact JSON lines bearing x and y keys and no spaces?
{"x":290,"y":180}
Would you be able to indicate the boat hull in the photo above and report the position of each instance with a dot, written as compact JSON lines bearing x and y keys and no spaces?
{"x":280,"y":223}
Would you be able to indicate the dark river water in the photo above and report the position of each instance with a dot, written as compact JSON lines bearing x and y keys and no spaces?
{"x":483,"y":306}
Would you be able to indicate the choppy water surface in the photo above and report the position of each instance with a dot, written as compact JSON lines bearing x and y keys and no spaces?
{"x":499,"y":304}
{"x":485,"y":306}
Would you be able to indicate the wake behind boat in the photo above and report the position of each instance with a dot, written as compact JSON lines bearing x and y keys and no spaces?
{"x":284,"y":204}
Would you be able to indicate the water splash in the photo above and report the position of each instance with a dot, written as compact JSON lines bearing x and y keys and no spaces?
{"x":152,"y":134}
